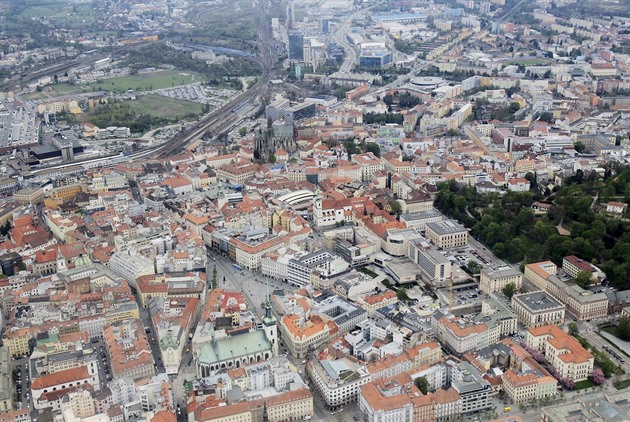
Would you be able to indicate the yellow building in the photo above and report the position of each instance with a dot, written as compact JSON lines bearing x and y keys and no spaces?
{"x":29,"y":195}
{"x":17,"y":341}
{"x":495,"y":280}
{"x":563,"y":352}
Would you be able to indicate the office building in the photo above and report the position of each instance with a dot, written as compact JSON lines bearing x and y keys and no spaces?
{"x":537,"y":308}
{"x":296,"y":46}
{"x":495,"y":280}
{"x":436,"y":268}
{"x":447,"y":234}
{"x":375,"y":59}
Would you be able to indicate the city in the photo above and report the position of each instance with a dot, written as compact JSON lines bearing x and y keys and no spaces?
{"x":325,"y":210}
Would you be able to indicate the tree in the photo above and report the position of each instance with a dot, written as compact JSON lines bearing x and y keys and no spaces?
{"x":573,"y":329}
{"x":272,"y":158}
{"x":598,"y":376}
{"x":624,"y":327}
{"x":402,"y":295}
{"x":422,"y":384}
{"x":579,"y":146}
{"x":242,"y":131}
{"x":509,"y":290}
{"x":373,"y":148}
{"x":395,"y":206}
{"x":474,"y":267}
{"x":583,"y":279}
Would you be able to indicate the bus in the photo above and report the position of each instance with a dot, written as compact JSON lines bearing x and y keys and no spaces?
{"x":237,"y":267}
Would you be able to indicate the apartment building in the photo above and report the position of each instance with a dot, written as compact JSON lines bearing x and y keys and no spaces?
{"x":563,"y":352}
{"x":337,"y":381}
{"x":530,"y":382}
{"x":302,"y":334}
{"x":369,"y":164}
{"x":494,"y":280}
{"x":447,"y":234}
{"x":462,"y":335}
{"x":129,"y":351}
{"x":537,"y":308}
{"x":236,"y":174}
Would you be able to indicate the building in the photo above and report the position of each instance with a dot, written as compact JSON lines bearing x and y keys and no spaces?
{"x":300,"y":270}
{"x":435,"y":268}
{"x":131,"y":266}
{"x":128,"y":350}
{"x":537,"y":308}
{"x":233,"y":351}
{"x":302,"y":334}
{"x":369,"y":164}
{"x":291,"y":405}
{"x":29,"y":195}
{"x":392,"y":399}
{"x":572,"y":265}
{"x":494,"y":280}
{"x":296,"y":46}
{"x":563,"y":352}
{"x":474,"y":390}
{"x":615,"y":405}
{"x":62,"y":380}
{"x":6,"y":399}
{"x":447,"y":234}
{"x":528,"y":380}
{"x":581,"y":304}
{"x":419,"y":220}
{"x":375,"y":59}
{"x":462,"y":335}
{"x":337,"y":381}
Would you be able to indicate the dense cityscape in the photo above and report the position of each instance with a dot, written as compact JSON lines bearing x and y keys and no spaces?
{"x":325,"y":210}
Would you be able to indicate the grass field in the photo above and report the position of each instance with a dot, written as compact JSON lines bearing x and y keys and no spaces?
{"x":581,"y":385}
{"x":146,"y":82}
{"x":141,"y":82}
{"x":527,"y":62}
{"x":622,"y":384}
{"x":158,"y":106}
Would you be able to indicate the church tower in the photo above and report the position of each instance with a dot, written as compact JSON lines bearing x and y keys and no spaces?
{"x":270,"y":325}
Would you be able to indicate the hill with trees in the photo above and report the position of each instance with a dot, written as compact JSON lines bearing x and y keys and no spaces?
{"x":507,"y":225}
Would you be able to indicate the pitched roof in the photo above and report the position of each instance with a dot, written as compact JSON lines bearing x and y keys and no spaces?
{"x":61,"y":377}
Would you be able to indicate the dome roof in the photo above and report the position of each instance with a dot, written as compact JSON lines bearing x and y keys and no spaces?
{"x":81,"y":261}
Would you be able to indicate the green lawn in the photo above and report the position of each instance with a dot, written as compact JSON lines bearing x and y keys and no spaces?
{"x":159,"y":106}
{"x":581,"y":385}
{"x":622,"y":384}
{"x":142,"y":82}
{"x":527,"y":62}
{"x":72,"y":14}
{"x":146,"y":82}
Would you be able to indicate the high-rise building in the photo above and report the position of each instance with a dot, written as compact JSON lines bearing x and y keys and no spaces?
{"x":291,"y":15}
{"x":296,"y":46}
{"x":325,"y":26}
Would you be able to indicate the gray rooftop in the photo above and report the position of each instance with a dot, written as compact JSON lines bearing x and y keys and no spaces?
{"x":446,"y":227}
{"x":538,"y":301}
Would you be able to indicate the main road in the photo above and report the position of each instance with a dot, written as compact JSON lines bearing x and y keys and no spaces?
{"x":340,"y":37}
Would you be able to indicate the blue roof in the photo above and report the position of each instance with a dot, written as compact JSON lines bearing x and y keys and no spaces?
{"x":397,"y":16}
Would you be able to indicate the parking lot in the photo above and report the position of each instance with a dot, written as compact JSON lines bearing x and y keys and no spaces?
{"x":22,"y":379}
{"x":196,"y":93}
